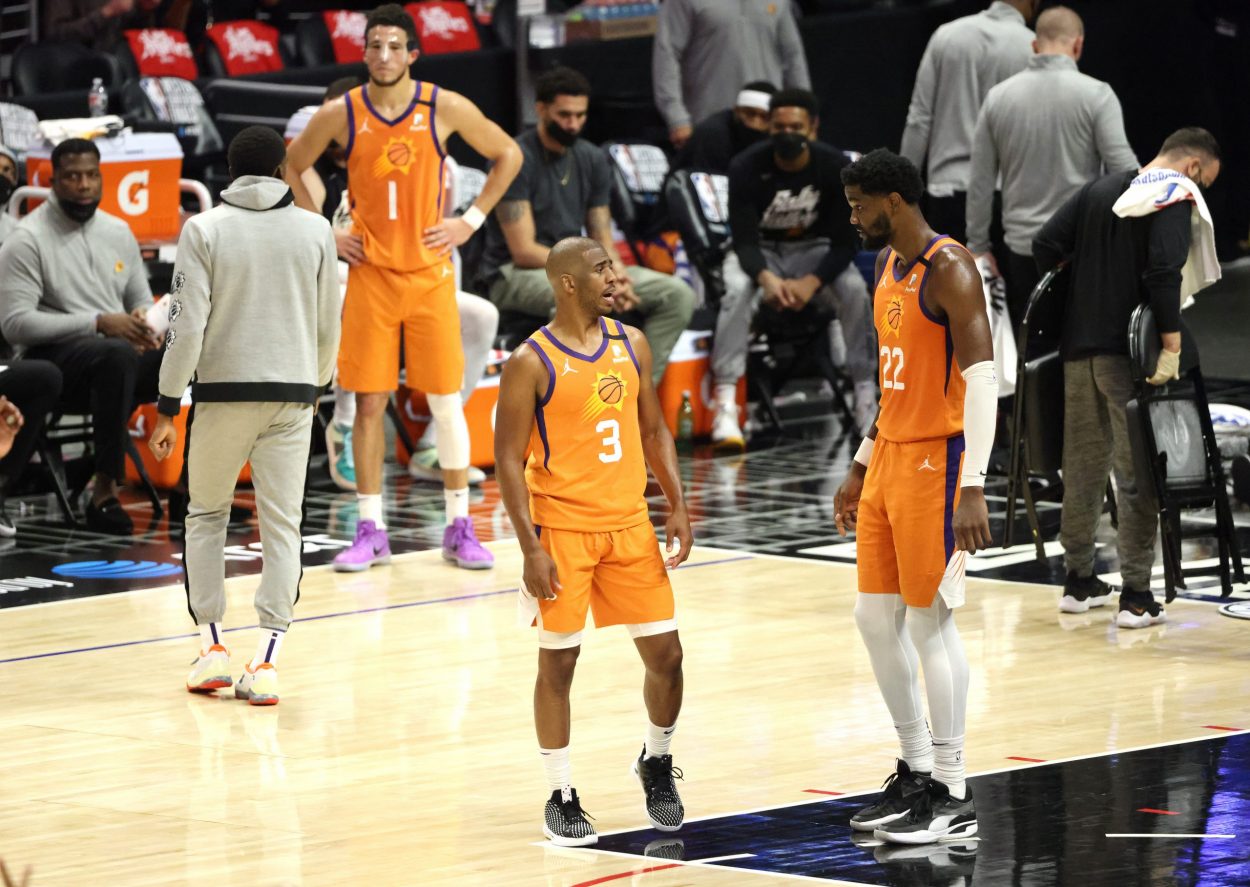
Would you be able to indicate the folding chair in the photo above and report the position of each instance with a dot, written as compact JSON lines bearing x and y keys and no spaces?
{"x":638,"y":173}
{"x":66,"y":428}
{"x":1174,"y":448}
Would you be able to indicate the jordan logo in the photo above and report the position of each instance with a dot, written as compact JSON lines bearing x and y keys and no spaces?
{"x":447,"y":272}
{"x":567,"y":369}
{"x":925,"y":466}
{"x":364,"y":127}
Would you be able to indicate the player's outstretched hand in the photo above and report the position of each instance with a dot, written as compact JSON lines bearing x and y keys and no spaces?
{"x":448,"y":234}
{"x":540,"y":577}
{"x":678,"y":527}
{"x":846,"y":500}
{"x":163,"y":438}
{"x":971,"y":523}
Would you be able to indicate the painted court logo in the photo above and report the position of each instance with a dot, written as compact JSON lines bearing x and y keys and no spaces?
{"x":1237,"y":609}
{"x":117,"y":570}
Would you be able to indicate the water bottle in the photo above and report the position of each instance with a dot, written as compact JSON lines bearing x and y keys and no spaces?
{"x":98,"y":98}
{"x":685,"y":424}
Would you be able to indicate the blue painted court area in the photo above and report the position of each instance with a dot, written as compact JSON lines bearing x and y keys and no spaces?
{"x":1170,"y":815}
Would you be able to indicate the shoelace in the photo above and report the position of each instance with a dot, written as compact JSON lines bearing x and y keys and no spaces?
{"x":663,"y":785}
{"x":571,"y":808}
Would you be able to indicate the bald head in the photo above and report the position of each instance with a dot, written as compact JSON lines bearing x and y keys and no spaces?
{"x":1058,"y":28}
{"x":570,"y":256}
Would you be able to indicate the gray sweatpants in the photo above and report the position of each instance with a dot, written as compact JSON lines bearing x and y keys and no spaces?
{"x":274,"y":437}
{"x":1096,"y":392}
{"x":847,"y":293}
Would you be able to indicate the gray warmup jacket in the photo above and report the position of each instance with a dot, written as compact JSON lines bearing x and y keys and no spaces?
{"x":254,"y":306}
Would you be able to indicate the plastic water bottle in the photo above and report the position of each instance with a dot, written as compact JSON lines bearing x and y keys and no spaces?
{"x":685,"y":424}
{"x":98,"y":98}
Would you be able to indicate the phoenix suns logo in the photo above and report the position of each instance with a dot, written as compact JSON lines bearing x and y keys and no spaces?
{"x":607,"y":392}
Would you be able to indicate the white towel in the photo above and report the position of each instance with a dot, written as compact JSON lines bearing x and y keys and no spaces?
{"x":57,"y":131}
{"x":1155,"y":189}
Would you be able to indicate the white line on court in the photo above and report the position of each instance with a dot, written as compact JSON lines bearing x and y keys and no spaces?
{"x":1167,"y":835}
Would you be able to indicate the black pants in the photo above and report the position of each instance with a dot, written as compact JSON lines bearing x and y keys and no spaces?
{"x":946,"y":215}
{"x":108,"y":379}
{"x":34,"y":387}
{"x":1020,"y":276}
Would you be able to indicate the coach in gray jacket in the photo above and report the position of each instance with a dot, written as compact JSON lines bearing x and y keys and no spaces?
{"x":1046,"y":131}
{"x":254,"y":327}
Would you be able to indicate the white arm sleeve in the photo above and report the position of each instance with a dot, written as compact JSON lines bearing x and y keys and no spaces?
{"x":980,"y":412}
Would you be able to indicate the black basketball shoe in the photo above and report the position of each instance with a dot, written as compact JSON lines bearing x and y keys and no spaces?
{"x":564,"y":820}
{"x":1139,"y":609}
{"x":935,"y":815}
{"x":1080,"y":593}
{"x":657,"y":775}
{"x":901,"y":789}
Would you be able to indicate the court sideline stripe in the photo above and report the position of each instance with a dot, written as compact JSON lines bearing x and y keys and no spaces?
{"x":403,"y":606}
{"x":659,"y":868}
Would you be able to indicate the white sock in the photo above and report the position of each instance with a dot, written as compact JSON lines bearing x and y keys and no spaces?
{"x":726,"y":394}
{"x":268,"y":645}
{"x":916,"y":745}
{"x":344,"y":407}
{"x":556,"y":766}
{"x":210,"y":633}
{"x":457,"y":503}
{"x":658,"y":740}
{"x":948,"y":765}
{"x":370,"y":508}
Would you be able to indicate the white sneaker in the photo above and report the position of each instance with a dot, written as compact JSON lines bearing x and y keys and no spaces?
{"x":340,"y":457}
{"x":424,"y":466}
{"x":210,"y":671}
{"x":726,"y":432}
{"x":259,"y":687}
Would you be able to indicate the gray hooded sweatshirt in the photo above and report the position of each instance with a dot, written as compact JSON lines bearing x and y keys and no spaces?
{"x":254,"y":306}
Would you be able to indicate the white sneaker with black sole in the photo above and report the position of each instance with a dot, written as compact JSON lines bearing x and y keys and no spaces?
{"x":657,"y":777}
{"x":565,"y":822}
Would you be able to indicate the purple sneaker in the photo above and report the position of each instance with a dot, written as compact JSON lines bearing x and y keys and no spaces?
{"x":460,"y":545}
{"x":371,"y":547}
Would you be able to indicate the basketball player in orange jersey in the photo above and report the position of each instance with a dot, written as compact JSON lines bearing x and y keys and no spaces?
{"x":578,"y":402}
{"x":915,"y":494}
{"x":395,"y":131}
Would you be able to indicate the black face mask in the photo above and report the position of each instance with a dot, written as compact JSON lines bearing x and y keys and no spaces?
{"x":79,"y":212}
{"x":789,"y":145}
{"x":6,"y":191}
{"x":560,"y":134}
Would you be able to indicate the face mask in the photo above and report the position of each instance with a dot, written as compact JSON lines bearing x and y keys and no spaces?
{"x":560,"y":134}
{"x":789,"y":145}
{"x":79,"y":212}
{"x":6,"y":191}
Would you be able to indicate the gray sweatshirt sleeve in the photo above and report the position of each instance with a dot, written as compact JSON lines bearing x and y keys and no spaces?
{"x":671,"y":36}
{"x":138,"y":293}
{"x":329,"y":308}
{"x":920,"y":113}
{"x":790,"y":51}
{"x":21,"y":321}
{"x":190,"y":300}
{"x":982,"y":179}
{"x":1113,"y":147}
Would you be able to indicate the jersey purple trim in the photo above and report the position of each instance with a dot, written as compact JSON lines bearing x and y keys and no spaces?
{"x":954,"y":450}
{"x":620,"y":328}
{"x":539,"y":418}
{"x":433,"y":125}
{"x":351,"y":124}
{"x":928,"y":246}
{"x":603,"y":346}
{"x":416,"y":95}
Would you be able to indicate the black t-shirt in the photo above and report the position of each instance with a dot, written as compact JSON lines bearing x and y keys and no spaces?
{"x":715,"y":142}
{"x":560,"y":189}
{"x":1117,"y":264}
{"x":766,"y":203}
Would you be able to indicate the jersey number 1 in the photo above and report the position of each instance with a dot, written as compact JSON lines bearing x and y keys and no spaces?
{"x":392,"y":201}
{"x":612,"y":442}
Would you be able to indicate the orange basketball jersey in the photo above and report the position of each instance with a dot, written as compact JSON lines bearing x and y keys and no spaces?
{"x":586,"y":469}
{"x":395,"y":179}
{"x":922,"y":391}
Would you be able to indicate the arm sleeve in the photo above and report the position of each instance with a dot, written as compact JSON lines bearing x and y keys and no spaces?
{"x":329,"y":308}
{"x":744,"y":221}
{"x":982,"y":180}
{"x":671,"y":36}
{"x":980,"y":415}
{"x":1056,"y":241}
{"x":920,"y":112}
{"x":1113,"y":147}
{"x":190,"y":300}
{"x":790,"y":49}
{"x":138,"y":293}
{"x":1166,"y":255}
{"x":22,"y":322}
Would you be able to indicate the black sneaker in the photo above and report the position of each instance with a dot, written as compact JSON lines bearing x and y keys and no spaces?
{"x":564,"y":820}
{"x":901,"y":789}
{"x":109,"y":517}
{"x":1138,"y":609}
{"x":934,"y":815}
{"x":657,"y":775}
{"x":666,"y":848}
{"x":1080,"y":593}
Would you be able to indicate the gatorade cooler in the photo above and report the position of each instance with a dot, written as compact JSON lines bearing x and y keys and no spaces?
{"x":140,"y":172}
{"x":689,"y":369}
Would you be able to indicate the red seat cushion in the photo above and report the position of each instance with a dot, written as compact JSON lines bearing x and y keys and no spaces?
{"x":444,"y":26}
{"x":162,"y":52}
{"x":347,"y":34}
{"x":246,"y":47}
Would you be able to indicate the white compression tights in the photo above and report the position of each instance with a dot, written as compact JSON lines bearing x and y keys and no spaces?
{"x":451,"y":430}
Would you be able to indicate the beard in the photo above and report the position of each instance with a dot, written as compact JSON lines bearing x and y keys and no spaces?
{"x":385,"y":84}
{"x":79,"y":212}
{"x":879,"y":237}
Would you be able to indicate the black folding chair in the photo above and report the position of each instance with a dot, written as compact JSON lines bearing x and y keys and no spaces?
{"x":1174,"y":449}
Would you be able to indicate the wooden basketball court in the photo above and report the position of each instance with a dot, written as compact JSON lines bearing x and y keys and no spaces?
{"x":403,"y":749}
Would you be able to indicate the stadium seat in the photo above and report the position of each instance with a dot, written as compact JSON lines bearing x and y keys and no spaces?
{"x":636,"y":199}
{"x":40,"y":68}
{"x":238,"y":48}
{"x":158,"y":52}
{"x":178,"y":103}
{"x":335,"y":37}
{"x":444,"y":26}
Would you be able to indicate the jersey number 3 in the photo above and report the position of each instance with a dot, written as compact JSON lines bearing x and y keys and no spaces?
{"x":892,"y":357}
{"x":611,"y":443}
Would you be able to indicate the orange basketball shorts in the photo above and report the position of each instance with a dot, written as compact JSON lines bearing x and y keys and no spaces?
{"x":903,"y":537}
{"x":620,"y":576}
{"x":382,"y":306}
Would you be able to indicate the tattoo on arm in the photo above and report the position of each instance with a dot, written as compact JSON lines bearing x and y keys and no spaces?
{"x":511,"y":210}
